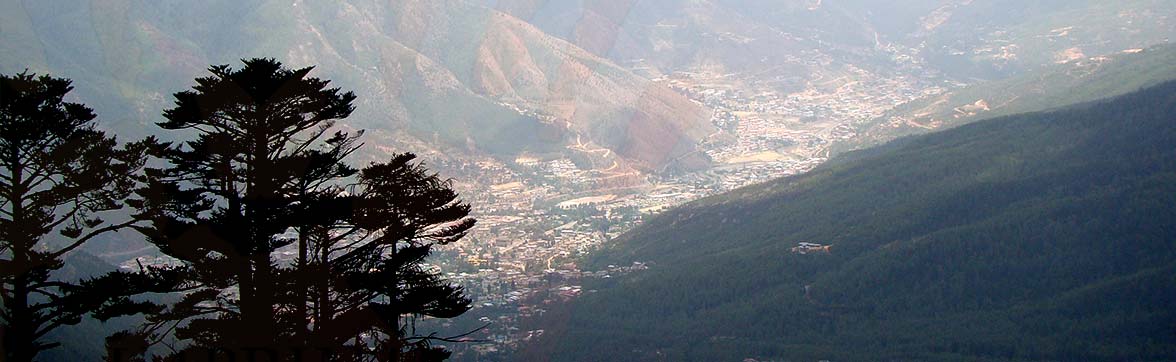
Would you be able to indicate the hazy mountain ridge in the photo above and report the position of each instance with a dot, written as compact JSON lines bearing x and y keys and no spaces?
{"x":961,"y":38}
{"x":1043,"y":236}
{"x":1057,"y":86}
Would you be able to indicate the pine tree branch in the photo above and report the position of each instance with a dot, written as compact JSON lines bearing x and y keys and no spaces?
{"x":47,"y":284}
{"x":91,"y":235}
{"x":67,"y":217}
{"x":453,"y":339}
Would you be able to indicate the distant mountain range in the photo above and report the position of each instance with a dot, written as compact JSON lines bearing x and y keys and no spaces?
{"x":522,"y":77}
{"x":436,"y":74}
{"x":1035,"y":237}
{"x":1056,"y":86}
{"x":962,"y":39}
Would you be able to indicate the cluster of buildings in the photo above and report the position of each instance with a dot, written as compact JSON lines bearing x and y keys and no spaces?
{"x":538,"y":215}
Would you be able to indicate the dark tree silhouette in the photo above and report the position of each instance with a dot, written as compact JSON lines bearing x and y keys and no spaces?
{"x":366,"y":271}
{"x":224,"y":205}
{"x":265,"y":175}
{"x":59,"y":174}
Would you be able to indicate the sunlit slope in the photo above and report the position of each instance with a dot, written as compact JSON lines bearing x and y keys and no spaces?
{"x":1043,"y":236}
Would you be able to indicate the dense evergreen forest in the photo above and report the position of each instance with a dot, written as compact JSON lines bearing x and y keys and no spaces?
{"x":1046,"y":236}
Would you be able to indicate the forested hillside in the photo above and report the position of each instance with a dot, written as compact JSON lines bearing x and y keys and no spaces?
{"x":1035,"y":237}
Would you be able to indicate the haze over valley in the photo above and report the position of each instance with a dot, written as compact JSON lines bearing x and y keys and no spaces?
{"x":641,"y":152}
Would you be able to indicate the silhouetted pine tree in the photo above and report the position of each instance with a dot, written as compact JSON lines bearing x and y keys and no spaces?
{"x":225,"y":204}
{"x":59,"y":174}
{"x":265,"y":173}
{"x":366,"y":272}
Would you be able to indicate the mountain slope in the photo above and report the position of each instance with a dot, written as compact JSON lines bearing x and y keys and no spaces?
{"x":459,"y":76}
{"x":1043,"y":236}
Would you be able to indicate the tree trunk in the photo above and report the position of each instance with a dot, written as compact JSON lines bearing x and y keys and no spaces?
{"x":18,"y":336}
